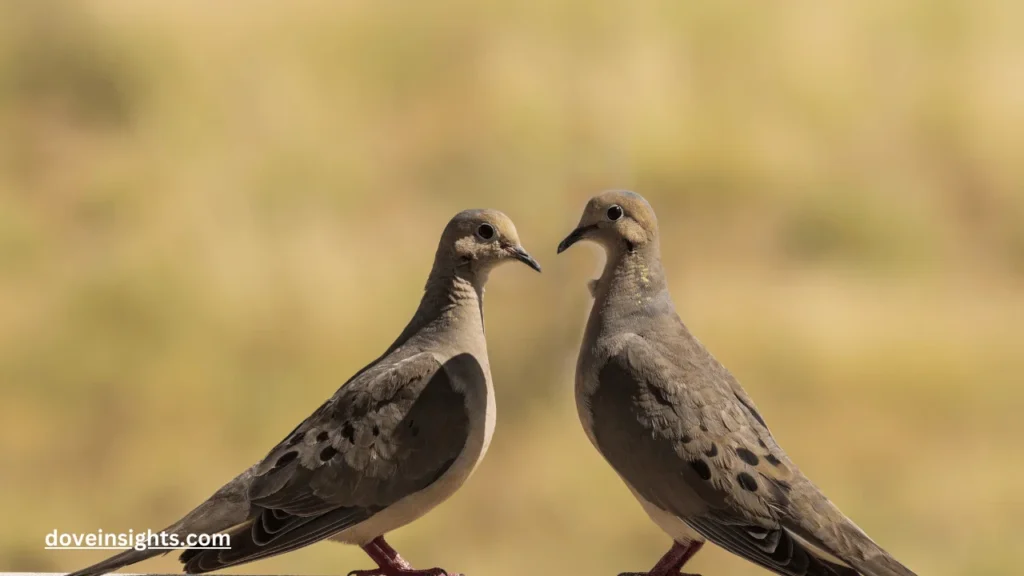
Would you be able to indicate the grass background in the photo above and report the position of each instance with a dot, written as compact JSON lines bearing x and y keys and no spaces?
{"x":211,"y":214}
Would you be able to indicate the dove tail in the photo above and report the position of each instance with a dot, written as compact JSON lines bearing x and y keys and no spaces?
{"x":848,"y":543}
{"x":883,"y":565}
{"x":118,"y":561}
{"x":227,"y":508}
{"x":858,"y":551}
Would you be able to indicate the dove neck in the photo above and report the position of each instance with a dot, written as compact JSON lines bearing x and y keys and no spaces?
{"x":452,"y":300}
{"x":633,"y":282}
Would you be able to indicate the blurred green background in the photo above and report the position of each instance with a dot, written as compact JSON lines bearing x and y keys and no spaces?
{"x":212,"y":213}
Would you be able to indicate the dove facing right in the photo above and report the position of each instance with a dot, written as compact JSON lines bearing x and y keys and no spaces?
{"x":680,"y":430}
{"x":397,"y":439}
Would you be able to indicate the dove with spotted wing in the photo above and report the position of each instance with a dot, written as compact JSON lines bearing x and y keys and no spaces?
{"x":397,"y":439}
{"x":680,"y":430}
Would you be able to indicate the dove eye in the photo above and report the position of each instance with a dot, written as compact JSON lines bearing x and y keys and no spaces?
{"x":485,"y":232}
{"x":615,"y":212}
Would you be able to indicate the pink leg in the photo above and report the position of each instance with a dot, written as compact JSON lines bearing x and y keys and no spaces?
{"x":390,"y":563}
{"x":671,"y":564}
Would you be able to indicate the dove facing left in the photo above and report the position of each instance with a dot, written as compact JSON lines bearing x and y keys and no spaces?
{"x":682,"y":433}
{"x":397,"y":439}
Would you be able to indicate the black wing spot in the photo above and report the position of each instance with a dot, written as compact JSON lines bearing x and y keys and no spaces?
{"x":327,"y":453}
{"x":747,"y":456}
{"x":702,"y":469}
{"x":703,"y":427}
{"x":773,"y":460}
{"x":376,"y":430}
{"x":323,"y":436}
{"x":296,"y":439}
{"x":712,"y":452}
{"x":747,"y":481}
{"x":285,"y":459}
{"x":686,"y":439}
{"x":349,"y":432}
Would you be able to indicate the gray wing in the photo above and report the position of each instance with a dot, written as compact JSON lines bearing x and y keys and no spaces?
{"x":390,"y":432}
{"x":689,"y":440}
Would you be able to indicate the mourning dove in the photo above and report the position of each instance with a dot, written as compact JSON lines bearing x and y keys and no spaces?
{"x":682,"y":433}
{"x":400,"y":437}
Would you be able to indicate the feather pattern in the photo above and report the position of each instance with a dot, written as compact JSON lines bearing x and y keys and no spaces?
{"x":388,"y":433}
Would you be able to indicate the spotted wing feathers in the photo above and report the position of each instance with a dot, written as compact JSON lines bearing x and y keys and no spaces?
{"x":388,"y":433}
{"x":689,"y":440}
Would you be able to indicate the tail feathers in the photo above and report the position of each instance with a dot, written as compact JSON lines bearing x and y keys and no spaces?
{"x":273,"y":533}
{"x":118,"y":561}
{"x":883,"y":565}
{"x":227,"y":508}
{"x":853,"y":547}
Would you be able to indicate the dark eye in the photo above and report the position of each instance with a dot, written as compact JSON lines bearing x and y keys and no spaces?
{"x":615,"y":212}
{"x":485,"y":231}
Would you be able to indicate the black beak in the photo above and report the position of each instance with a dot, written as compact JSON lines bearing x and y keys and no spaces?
{"x":573,"y":237}
{"x":523,"y":256}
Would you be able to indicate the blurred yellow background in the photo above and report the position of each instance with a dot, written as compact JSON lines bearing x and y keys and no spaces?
{"x":213,"y":213}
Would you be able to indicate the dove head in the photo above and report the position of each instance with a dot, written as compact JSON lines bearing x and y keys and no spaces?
{"x":476,"y":241}
{"x":618,"y":220}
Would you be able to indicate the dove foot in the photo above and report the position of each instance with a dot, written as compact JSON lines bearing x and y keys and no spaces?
{"x":390,"y":562}
{"x":671,"y":564}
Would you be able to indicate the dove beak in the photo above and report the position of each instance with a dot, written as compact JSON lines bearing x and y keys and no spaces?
{"x":523,"y":256}
{"x":574,"y":237}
